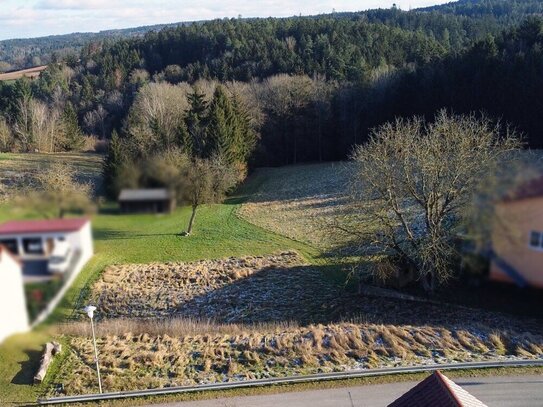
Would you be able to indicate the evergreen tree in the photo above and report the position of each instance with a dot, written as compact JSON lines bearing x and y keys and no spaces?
{"x":196,"y":123}
{"x":73,"y":138}
{"x":247,"y":138}
{"x":222,"y":129}
{"x":115,"y":159}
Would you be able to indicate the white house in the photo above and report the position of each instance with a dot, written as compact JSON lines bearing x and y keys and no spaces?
{"x":36,"y":239}
{"x":47,"y":249}
{"x":13,"y":314}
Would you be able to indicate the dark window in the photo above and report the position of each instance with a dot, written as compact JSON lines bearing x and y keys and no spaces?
{"x":535,"y":239}
{"x":11,"y":245}
{"x":33,"y":245}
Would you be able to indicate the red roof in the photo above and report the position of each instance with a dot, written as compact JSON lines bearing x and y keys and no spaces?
{"x":437,"y":390}
{"x":18,"y":227}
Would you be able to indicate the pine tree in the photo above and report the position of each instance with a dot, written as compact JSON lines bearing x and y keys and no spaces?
{"x":112,"y":164}
{"x":73,"y":139}
{"x":222,"y":127}
{"x":246,"y":136}
{"x":196,"y":123}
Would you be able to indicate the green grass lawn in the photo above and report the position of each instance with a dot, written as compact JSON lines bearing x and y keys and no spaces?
{"x":218,"y":233}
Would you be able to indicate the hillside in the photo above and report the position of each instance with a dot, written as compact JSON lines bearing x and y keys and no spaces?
{"x":21,"y":53}
{"x":301,"y":202}
{"x":476,"y":17}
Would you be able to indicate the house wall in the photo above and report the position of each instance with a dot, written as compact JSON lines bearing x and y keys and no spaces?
{"x":85,"y":243}
{"x":79,"y":240}
{"x":82,"y":240}
{"x":13,"y":313}
{"x":511,"y":240}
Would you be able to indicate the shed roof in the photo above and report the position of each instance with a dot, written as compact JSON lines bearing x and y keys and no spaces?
{"x":151,"y":194}
{"x":19,"y":227}
{"x":437,"y":390}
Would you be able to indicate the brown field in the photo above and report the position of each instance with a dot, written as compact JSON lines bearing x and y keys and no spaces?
{"x":32,"y":73}
{"x":250,"y":289}
{"x":257,"y":317}
{"x":136,"y":360}
{"x":17,"y":170}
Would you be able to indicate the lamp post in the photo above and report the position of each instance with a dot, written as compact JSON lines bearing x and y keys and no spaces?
{"x":89,"y":309}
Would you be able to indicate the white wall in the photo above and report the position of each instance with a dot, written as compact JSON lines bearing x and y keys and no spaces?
{"x":81,"y":240}
{"x":13,"y":314}
{"x":84,"y":242}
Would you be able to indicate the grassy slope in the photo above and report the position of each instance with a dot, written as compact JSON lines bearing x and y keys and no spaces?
{"x":139,"y":239}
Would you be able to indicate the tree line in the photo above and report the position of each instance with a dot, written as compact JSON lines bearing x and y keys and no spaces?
{"x":308,"y":88}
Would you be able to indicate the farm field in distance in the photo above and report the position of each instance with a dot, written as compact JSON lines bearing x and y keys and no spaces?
{"x":16,"y":169}
{"x":237,"y":300}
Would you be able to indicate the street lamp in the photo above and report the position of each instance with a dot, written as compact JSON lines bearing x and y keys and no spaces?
{"x":89,"y":309}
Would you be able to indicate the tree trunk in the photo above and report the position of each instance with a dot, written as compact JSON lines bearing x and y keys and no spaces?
{"x":429,"y":282}
{"x":191,"y":221}
{"x":51,"y":349}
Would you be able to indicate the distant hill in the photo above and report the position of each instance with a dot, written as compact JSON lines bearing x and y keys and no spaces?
{"x":16,"y":54}
{"x":21,"y":53}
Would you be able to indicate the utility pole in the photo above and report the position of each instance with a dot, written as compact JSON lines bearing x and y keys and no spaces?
{"x":89,"y":309}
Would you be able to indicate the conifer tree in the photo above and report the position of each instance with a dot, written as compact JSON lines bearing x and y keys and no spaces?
{"x":222,"y":127}
{"x":196,"y":123}
{"x":112,"y":164}
{"x":73,"y":139}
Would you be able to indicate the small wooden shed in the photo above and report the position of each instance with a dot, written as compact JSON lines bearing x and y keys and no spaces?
{"x":152,"y":200}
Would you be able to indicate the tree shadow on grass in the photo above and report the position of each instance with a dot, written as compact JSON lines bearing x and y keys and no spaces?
{"x":29,"y":367}
{"x":304,"y":295}
{"x":280,"y":293}
{"x":108,"y":234}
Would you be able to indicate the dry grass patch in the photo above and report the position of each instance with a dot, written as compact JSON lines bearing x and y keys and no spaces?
{"x":250,"y":289}
{"x":139,"y":360}
{"x":18,"y":170}
{"x":301,"y":202}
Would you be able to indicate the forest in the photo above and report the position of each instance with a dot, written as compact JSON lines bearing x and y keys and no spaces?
{"x":276,"y":91}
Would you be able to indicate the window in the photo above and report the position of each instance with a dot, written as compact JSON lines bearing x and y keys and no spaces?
{"x":11,"y":245}
{"x":33,"y":245}
{"x":535,"y":240}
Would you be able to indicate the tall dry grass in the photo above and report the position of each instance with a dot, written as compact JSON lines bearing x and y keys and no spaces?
{"x":176,"y":327}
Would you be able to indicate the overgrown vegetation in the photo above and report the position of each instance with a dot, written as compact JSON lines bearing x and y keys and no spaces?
{"x":417,"y":181}
{"x":137,"y":361}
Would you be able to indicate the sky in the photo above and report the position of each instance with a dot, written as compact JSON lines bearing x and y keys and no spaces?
{"x":35,"y":18}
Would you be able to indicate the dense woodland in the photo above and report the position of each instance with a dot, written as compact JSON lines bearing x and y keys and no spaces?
{"x":281,"y":91}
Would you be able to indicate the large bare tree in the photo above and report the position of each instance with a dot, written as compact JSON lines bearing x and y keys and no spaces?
{"x":57,"y":192}
{"x":416,"y":182}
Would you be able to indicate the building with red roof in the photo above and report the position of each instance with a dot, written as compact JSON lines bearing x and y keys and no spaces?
{"x":43,"y":250}
{"x":36,"y":239}
{"x":437,"y":390}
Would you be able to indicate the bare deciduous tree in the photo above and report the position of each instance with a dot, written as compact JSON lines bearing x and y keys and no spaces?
{"x":57,"y":192}
{"x":6,"y":136}
{"x":157,"y":114}
{"x":416,"y":181}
